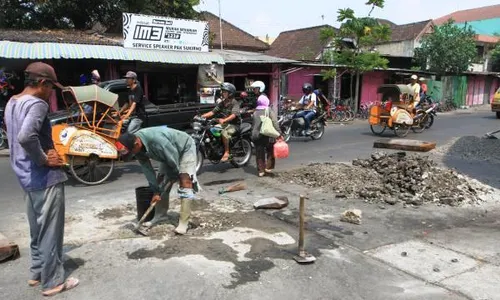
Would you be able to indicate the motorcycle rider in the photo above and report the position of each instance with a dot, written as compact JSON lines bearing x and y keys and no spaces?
{"x":416,"y":90}
{"x":228,"y":113}
{"x":308,"y":103}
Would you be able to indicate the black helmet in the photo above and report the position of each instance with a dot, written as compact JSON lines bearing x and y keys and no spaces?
{"x":226,"y":86}
{"x":307,"y":88}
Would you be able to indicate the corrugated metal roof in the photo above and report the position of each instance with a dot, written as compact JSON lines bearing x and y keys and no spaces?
{"x":19,"y":50}
{"x":236,"y":56}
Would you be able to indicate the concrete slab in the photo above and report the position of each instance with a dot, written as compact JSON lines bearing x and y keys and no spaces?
{"x":4,"y":152}
{"x":424,"y":260}
{"x":480,"y":242}
{"x":481,"y":284}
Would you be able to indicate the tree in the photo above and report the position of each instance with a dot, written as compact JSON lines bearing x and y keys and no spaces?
{"x":83,"y":14}
{"x":353,"y":44}
{"x":449,"y":48}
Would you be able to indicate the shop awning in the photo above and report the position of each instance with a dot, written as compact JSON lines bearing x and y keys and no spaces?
{"x":236,"y":56}
{"x":17,"y":50}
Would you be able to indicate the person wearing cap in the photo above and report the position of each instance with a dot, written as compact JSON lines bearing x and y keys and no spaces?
{"x":176,"y":152}
{"x":135,"y":109}
{"x":416,"y":89}
{"x":95,"y":77}
{"x":264,"y":146}
{"x":38,"y":168}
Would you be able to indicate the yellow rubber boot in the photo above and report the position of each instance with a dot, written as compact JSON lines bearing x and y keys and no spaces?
{"x":185,"y":213}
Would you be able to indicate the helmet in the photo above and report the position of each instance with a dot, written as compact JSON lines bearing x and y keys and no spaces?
{"x":226,"y":86}
{"x":260,"y":85}
{"x":421,"y":79}
{"x":307,"y":88}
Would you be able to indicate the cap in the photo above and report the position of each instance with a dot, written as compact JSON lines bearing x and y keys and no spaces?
{"x":131,"y":74}
{"x":415,"y":77}
{"x":42,"y":71}
{"x":126,"y":143}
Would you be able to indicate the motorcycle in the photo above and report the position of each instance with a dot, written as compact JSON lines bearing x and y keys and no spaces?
{"x":207,"y":135}
{"x":428,"y":106}
{"x":292,"y":126}
{"x":3,"y":131}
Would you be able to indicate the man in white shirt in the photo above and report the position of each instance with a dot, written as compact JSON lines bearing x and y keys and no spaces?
{"x":416,"y":89}
{"x":309,"y":106}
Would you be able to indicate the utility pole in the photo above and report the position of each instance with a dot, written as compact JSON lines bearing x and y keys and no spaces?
{"x":220,"y":27}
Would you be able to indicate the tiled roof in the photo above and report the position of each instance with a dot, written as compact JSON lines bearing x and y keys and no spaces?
{"x":409,"y":31}
{"x":59,"y":36}
{"x":475,"y":14}
{"x":488,"y":39}
{"x":300,"y":44}
{"x":232,"y":36}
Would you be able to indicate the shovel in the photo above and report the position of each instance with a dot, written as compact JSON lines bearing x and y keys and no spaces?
{"x":137,"y":227}
{"x":490,"y":135}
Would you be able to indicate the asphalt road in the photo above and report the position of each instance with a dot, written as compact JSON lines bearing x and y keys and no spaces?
{"x":341,"y":143}
{"x":252,"y":257}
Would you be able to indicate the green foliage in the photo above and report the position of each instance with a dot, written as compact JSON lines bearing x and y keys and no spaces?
{"x":362,"y":32}
{"x":83,"y":14}
{"x":449,"y":48}
{"x":328,"y":74}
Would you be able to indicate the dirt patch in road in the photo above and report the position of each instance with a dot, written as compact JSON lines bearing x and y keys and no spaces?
{"x":116,"y":212}
{"x":393,"y":178}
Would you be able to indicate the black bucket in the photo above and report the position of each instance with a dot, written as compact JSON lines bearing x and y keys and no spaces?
{"x":143,"y":196}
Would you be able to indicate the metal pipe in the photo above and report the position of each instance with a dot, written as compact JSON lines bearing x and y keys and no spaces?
{"x":301,"y":224}
{"x":220,"y":27}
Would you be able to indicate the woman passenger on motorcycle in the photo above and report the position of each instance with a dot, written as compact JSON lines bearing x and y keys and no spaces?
{"x":309,"y":106}
{"x":228,"y":112}
{"x":264,"y":146}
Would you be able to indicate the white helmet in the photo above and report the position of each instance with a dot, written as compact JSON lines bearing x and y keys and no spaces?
{"x":260,"y":85}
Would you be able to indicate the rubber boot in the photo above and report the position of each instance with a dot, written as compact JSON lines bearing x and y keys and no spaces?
{"x":185,"y":213}
{"x":161,"y":210}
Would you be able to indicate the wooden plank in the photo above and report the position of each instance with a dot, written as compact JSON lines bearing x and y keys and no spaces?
{"x":8,"y":250}
{"x":404,"y":144}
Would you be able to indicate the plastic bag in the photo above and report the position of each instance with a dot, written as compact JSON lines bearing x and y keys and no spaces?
{"x":281,"y":149}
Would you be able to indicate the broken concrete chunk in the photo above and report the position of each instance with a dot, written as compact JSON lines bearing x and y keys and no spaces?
{"x":8,"y":250}
{"x":271,"y":203}
{"x":351,"y":216}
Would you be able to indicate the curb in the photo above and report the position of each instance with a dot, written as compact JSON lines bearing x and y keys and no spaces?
{"x":4,"y":153}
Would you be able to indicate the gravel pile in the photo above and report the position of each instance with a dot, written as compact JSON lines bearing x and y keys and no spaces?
{"x":472,"y":148}
{"x":393,"y":178}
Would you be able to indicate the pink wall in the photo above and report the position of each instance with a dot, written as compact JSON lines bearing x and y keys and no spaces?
{"x":475,"y":90}
{"x":297,"y":79}
{"x":369,"y":85}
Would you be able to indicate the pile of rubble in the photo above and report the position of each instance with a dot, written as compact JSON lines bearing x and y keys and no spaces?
{"x":393,"y":178}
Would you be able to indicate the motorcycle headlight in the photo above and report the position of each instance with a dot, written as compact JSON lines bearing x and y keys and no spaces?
{"x":196,"y":126}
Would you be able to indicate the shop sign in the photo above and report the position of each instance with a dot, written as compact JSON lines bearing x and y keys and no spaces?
{"x":163,"y":33}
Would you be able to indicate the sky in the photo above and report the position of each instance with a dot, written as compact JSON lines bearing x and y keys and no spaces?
{"x":261,"y":17}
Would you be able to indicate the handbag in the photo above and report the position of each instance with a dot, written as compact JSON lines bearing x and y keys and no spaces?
{"x":267,"y":127}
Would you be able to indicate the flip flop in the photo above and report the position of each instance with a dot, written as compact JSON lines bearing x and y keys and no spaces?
{"x":67,"y":285}
{"x":226,"y":158}
{"x":33,"y":283}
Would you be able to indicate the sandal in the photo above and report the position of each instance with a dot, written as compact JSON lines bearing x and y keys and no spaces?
{"x":67,"y":285}
{"x":225,"y":158}
{"x":33,"y":283}
{"x":262,"y":174}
